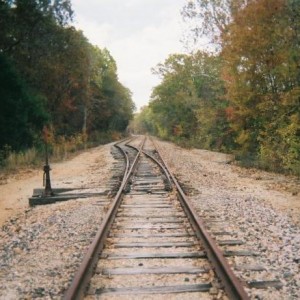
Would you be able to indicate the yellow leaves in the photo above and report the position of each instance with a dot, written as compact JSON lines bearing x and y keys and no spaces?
{"x":63,"y":146}
{"x":260,"y":51}
{"x":115,"y":135}
{"x":177,"y":130}
{"x":292,"y":97}
{"x":47,"y":135}
{"x":291,"y":129}
{"x":229,"y":111}
{"x":162,"y":131}
{"x":243,"y":137}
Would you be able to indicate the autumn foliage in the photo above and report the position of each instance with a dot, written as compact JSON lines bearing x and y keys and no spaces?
{"x":261,"y":54}
{"x":243,"y":97}
{"x":51,"y":75}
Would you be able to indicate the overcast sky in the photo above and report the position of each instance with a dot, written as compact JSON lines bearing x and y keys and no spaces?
{"x":138,"y":33}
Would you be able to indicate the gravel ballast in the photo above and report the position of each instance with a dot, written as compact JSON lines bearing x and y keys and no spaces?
{"x":41,"y":247}
{"x":243,"y":202}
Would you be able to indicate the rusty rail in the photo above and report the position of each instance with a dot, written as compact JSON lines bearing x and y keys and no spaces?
{"x":161,"y":166}
{"x":82,"y":277}
{"x":231,"y":283}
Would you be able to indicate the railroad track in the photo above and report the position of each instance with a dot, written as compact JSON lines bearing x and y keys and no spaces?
{"x":152,"y":241}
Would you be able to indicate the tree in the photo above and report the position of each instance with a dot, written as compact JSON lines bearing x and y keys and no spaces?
{"x":111,"y":106}
{"x":142,"y":122}
{"x":22,"y":112}
{"x":259,"y":42}
{"x":210,"y":18}
{"x":24,"y":20}
{"x":76,"y":82}
{"x":262,"y":83}
{"x":172,"y":102}
{"x":213,"y":127}
{"x":189,"y":103}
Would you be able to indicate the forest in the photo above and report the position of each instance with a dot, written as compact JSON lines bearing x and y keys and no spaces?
{"x":242,"y":94}
{"x":52,"y":77}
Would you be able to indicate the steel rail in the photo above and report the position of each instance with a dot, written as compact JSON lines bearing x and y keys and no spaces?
{"x":126,"y":159}
{"x":157,"y":162}
{"x":231,"y":283}
{"x":162,"y":167}
{"x":86,"y":269}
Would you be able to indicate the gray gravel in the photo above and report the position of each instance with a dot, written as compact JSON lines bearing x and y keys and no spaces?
{"x":42,"y":247}
{"x":216,"y":190}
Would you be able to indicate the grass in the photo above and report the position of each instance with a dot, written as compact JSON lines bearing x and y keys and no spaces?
{"x":60,"y":149}
{"x":14,"y":160}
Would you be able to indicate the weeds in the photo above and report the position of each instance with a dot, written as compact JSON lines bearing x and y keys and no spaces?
{"x":59,"y":149}
{"x":30,"y":157}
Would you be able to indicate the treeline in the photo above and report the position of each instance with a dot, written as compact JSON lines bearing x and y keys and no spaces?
{"x":51,"y":75}
{"x":243,"y":98}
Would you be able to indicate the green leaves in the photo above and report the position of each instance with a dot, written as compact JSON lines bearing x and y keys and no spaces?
{"x":188,"y":105}
{"x":259,"y":50}
{"x":248,"y":97}
{"x":22,"y":112}
{"x":55,"y":69}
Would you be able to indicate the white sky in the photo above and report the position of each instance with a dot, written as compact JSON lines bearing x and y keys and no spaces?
{"x":138,"y":33}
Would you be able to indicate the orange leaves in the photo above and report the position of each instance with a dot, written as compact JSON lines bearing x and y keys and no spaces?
{"x":47,"y":134}
{"x":229,"y":111}
{"x":177,"y":130}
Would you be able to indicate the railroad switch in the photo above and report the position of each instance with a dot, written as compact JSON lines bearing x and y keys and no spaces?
{"x":46,"y":176}
{"x":46,"y":181}
{"x":49,"y":195}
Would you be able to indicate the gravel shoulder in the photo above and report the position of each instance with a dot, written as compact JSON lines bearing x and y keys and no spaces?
{"x":41,"y":247}
{"x":206,"y":169}
{"x":78,"y":172}
{"x":262,"y":209}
